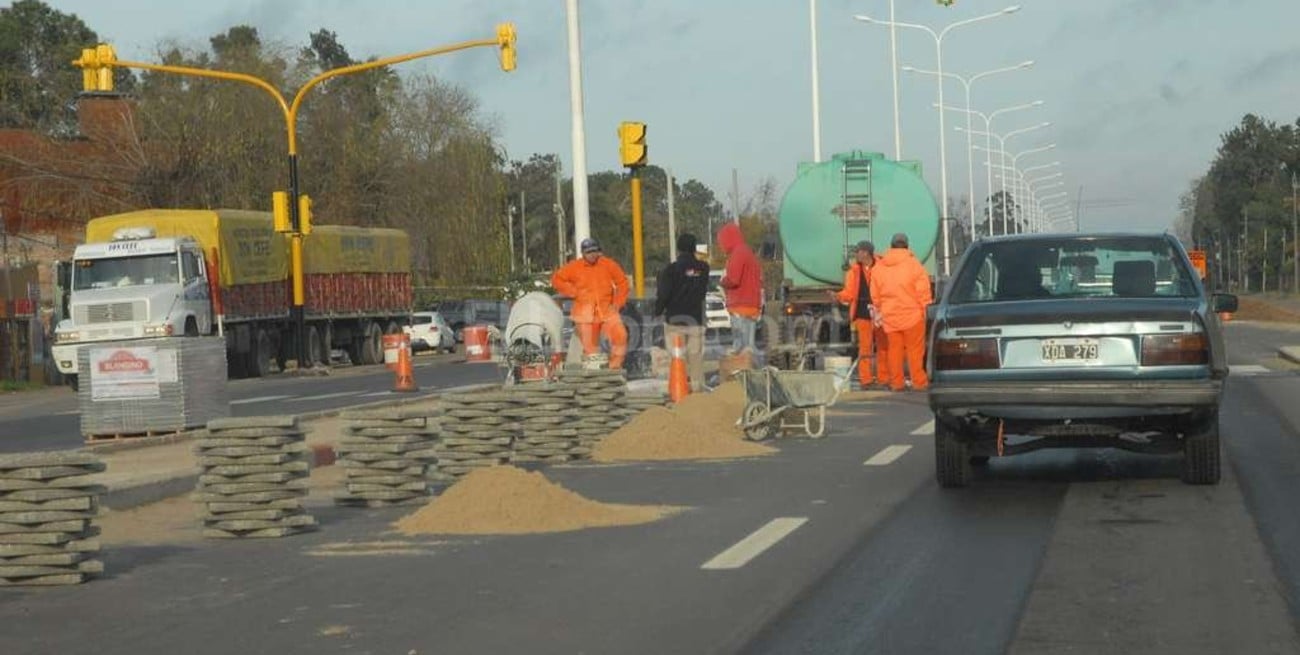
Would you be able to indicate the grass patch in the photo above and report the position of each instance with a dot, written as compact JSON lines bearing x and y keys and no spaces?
{"x":11,"y":386}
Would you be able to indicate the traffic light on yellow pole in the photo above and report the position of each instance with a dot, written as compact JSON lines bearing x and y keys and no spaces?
{"x":506,"y":39}
{"x":96,"y":66}
{"x":632,"y":151}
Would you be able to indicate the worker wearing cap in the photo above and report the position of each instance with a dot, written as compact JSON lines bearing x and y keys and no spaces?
{"x":900,"y":288}
{"x":863,"y":315}
{"x":598,"y":287}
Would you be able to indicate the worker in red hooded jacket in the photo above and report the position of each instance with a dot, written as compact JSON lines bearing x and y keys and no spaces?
{"x":743,"y":283}
{"x":598,"y":287}
{"x":900,"y":289}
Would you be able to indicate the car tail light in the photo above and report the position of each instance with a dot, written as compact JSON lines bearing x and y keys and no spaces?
{"x":1175,"y":349}
{"x":958,"y":354}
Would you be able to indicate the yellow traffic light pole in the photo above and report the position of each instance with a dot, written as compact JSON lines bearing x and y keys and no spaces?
{"x":97,"y":75}
{"x":633,"y":152}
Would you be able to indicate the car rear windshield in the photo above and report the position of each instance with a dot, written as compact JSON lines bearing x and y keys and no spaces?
{"x":421,"y":320}
{"x":1073,"y":267}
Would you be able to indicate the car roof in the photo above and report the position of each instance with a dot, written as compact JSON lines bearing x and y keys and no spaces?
{"x":1072,"y":236}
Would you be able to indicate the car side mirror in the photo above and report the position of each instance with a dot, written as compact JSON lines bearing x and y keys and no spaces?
{"x":1223,"y":302}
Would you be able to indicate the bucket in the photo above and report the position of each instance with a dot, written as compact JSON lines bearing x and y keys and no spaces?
{"x":476,"y":343}
{"x":393,"y":343}
{"x":838,"y":365}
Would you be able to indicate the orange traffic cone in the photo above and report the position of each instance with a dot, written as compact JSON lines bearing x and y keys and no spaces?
{"x":678,"y":385}
{"x":405,"y":376}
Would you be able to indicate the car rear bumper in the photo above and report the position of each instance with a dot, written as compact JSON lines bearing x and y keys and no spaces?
{"x":1089,"y":398}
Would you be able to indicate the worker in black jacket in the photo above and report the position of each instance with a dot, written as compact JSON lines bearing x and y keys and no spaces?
{"x":680,"y":301}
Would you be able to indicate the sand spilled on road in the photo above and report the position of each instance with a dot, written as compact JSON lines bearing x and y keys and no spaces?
{"x":703,"y":426}
{"x":509,"y":500}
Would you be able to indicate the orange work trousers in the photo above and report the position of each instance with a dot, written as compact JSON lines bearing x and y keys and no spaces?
{"x":909,"y":344}
{"x":590,"y":333}
{"x":872,"y":349}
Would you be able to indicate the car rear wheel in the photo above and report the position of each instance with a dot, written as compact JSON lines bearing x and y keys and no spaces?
{"x":1201,"y":460}
{"x":952,"y":459}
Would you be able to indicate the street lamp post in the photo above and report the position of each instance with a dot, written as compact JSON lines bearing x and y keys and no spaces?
{"x":967,"y":82}
{"x":988,"y":126}
{"x":103,"y":58}
{"x":943,"y":154}
{"x":816,"y":86}
{"x":1002,"y":150}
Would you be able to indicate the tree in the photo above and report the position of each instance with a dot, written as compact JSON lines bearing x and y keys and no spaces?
{"x":38,"y":84}
{"x":1001,"y":216}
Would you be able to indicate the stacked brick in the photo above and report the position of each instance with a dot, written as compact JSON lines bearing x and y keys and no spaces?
{"x":477,"y":431}
{"x":598,"y":393}
{"x":634,"y":404}
{"x":253,"y":478}
{"x":388,"y":456}
{"x":544,"y":414}
{"x":46,"y":505}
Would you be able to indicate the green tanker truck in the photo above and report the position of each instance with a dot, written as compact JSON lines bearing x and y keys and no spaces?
{"x":826,"y":211}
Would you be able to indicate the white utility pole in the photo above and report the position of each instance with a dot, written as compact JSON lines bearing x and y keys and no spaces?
{"x":893,"y":69}
{"x":816,"y":90}
{"x":672,"y":218}
{"x":523,"y":227}
{"x":581,"y":211}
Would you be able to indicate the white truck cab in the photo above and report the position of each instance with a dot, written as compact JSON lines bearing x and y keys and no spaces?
{"x":136,"y":286}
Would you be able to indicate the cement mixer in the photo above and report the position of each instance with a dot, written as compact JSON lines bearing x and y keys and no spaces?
{"x":533,"y":338}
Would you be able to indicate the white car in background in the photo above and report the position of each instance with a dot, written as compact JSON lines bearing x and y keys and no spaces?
{"x":428,"y":331}
{"x":715,"y":305}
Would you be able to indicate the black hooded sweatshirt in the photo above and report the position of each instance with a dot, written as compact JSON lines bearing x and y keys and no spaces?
{"x":682,"y":286}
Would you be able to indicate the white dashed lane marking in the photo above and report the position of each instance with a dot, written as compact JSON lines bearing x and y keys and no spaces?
{"x":752,"y":546}
{"x":926,"y":428}
{"x":324,"y":396}
{"x":887,"y":455}
{"x":259,"y":399}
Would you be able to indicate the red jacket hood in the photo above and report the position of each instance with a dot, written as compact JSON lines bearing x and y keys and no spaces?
{"x":730,"y":237}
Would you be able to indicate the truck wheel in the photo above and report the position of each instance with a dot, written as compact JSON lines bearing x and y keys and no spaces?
{"x":313,"y":348}
{"x":1201,"y":461}
{"x":951,"y":456}
{"x":326,"y":343}
{"x":373,"y":347}
{"x":259,"y":355}
{"x":236,"y":365}
{"x":73,"y":382}
{"x":191,"y":327}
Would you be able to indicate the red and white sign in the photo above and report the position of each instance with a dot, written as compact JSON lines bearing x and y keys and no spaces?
{"x":123,"y":373}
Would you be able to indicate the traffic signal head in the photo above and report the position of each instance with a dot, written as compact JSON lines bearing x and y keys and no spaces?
{"x":96,"y":66}
{"x":280,"y":212}
{"x":506,"y":39}
{"x":632,"y":149}
{"x":304,"y":214}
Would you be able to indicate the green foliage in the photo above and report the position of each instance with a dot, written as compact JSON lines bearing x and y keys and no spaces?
{"x":1246,"y":191}
{"x":38,"y":84}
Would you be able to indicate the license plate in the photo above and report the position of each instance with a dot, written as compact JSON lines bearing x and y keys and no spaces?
{"x":1069,"y":350}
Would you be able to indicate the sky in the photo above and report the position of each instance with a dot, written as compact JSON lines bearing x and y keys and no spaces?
{"x":1137,"y":92}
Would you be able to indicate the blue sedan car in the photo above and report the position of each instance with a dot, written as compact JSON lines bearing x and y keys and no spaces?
{"x":1070,"y":341}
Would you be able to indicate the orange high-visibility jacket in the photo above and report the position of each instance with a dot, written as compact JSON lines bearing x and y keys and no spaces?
{"x":849,"y":294}
{"x":598,"y":290}
{"x":900,"y":289}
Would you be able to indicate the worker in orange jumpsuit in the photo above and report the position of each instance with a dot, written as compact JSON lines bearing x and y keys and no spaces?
{"x":598,"y":287}
{"x":872,"y":348}
{"x":900,"y":289}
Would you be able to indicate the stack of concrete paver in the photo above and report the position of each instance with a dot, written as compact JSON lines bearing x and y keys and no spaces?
{"x":634,"y":404}
{"x":598,"y":394}
{"x":253,"y":478}
{"x":544,"y":415}
{"x":387,"y":454}
{"x":476,"y":432}
{"x":46,"y":504}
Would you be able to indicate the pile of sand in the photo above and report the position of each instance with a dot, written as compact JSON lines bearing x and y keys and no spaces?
{"x":509,"y":500}
{"x":703,"y":426}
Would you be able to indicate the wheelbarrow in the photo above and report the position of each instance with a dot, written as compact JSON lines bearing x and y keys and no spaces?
{"x":771,"y":393}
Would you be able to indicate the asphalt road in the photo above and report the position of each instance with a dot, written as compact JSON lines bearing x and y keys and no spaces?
{"x":838,"y":545}
{"x":50,"y":419}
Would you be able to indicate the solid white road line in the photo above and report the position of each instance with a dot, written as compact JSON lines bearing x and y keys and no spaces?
{"x":887,"y":455}
{"x":324,"y":396}
{"x":376,"y":393}
{"x":259,"y":399}
{"x":926,"y":428}
{"x":754,"y":545}
{"x":1247,"y":369}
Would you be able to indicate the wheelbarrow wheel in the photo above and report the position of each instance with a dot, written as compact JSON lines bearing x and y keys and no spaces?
{"x":756,"y":427}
